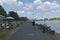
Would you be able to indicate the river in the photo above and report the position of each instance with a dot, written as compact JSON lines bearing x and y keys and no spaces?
{"x":55,"y":25}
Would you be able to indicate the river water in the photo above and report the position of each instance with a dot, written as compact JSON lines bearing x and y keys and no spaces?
{"x":55,"y":25}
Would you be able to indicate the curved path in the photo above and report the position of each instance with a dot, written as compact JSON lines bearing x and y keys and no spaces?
{"x":28,"y":32}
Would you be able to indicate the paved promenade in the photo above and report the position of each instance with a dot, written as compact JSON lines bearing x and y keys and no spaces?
{"x":28,"y":32}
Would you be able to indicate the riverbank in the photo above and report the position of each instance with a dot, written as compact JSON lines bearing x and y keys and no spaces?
{"x":54,"y":25}
{"x":54,"y":37}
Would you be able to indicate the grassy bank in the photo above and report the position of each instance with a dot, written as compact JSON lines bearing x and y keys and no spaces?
{"x":50,"y":35}
{"x":4,"y":35}
{"x":54,"y":37}
{"x":46,"y":33}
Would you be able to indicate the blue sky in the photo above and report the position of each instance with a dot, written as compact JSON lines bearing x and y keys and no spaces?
{"x":40,"y":8}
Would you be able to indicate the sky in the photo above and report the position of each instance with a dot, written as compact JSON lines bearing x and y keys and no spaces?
{"x":38,"y":9}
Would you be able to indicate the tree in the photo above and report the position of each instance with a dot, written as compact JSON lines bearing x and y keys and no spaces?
{"x":2,"y":11}
{"x":24,"y":18}
{"x":45,"y":18}
{"x":13,"y":14}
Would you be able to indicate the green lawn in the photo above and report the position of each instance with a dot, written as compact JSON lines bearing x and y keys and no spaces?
{"x":5,"y":34}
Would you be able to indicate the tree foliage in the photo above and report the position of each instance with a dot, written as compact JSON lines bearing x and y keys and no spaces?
{"x":13,"y":14}
{"x":55,"y":18}
{"x":23,"y":18}
{"x":2,"y":11}
{"x":45,"y":18}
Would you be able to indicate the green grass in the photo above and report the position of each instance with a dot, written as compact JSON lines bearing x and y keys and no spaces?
{"x":46,"y":33}
{"x":49,"y":35}
{"x":5,"y":34}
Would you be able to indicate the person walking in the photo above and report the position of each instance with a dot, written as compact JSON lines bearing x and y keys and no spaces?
{"x":33,"y":23}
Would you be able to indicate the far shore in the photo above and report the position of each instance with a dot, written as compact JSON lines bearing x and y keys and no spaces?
{"x":48,"y":20}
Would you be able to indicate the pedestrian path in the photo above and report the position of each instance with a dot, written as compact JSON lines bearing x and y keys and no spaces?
{"x":28,"y":32}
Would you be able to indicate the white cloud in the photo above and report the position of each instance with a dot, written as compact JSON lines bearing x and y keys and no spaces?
{"x":28,"y":6}
{"x":55,"y":11}
{"x":44,"y":6}
{"x":37,"y":2}
{"x":20,"y":3}
{"x":48,"y":5}
{"x":29,"y":12}
{"x":1,"y":2}
{"x":10,"y":2}
{"x":21,"y":11}
{"x":40,"y":8}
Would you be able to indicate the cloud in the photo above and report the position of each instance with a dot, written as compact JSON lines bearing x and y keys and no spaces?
{"x":29,"y":12}
{"x":20,"y":3}
{"x":48,"y":5}
{"x":28,"y":6}
{"x":11,"y":3}
{"x":31,"y":5}
{"x":1,"y":2}
{"x":37,"y":2}
{"x":41,"y":6}
{"x":55,"y":11}
{"x":21,"y":11}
